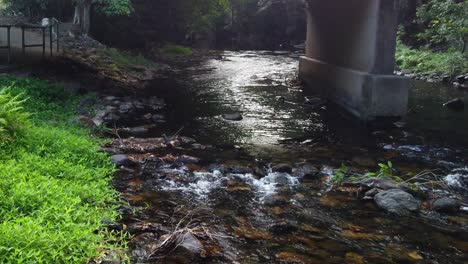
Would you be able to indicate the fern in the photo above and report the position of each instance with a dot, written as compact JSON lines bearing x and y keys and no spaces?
{"x":13,"y":118}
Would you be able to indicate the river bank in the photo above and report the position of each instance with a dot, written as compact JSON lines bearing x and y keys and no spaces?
{"x":202,"y":189}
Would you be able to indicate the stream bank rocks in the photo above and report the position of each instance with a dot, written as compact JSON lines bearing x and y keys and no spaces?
{"x":396,"y":201}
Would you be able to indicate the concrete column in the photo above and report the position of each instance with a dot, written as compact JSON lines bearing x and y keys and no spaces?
{"x":350,"y":56}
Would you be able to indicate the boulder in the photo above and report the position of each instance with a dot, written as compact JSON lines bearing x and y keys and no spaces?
{"x":397,"y":202}
{"x":282,"y":168}
{"x":385,"y":184}
{"x":188,"y":247}
{"x":455,"y":104}
{"x":460,"y":79}
{"x":306,"y":171}
{"x":122,"y":160}
{"x":406,"y":71}
{"x":446,"y":78}
{"x":446,"y":205}
{"x":233,"y":117}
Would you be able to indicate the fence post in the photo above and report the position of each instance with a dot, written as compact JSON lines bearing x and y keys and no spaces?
{"x":43,"y":42}
{"x":51,"y":40}
{"x":23,"y":41}
{"x":9,"y":43}
{"x":58,"y":36}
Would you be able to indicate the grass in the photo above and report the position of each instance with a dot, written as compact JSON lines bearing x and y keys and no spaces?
{"x":54,"y":185}
{"x":173,"y":50}
{"x":430,"y":62}
{"x":128,"y":61}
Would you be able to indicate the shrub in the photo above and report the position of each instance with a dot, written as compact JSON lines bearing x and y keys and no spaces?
{"x":13,"y":118}
{"x":176,"y":50}
{"x":54,"y":185}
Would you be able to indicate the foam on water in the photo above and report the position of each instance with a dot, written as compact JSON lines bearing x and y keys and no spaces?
{"x":201,"y":184}
{"x":457,"y":178}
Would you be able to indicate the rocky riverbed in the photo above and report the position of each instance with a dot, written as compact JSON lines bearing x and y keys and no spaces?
{"x":203,"y":188}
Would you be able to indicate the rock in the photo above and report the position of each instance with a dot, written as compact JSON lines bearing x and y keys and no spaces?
{"x":306,"y":172}
{"x":446,"y":78}
{"x":188,"y":247}
{"x":275,"y":200}
{"x":282,"y":228}
{"x":86,"y":121}
{"x":371,"y":193}
{"x":455,"y":104}
{"x":282,"y":168}
{"x":385,"y":184}
{"x":396,"y":201}
{"x":241,"y":170}
{"x":233,"y":117}
{"x":158,"y":119}
{"x":122,"y":160}
{"x":446,"y":205}
{"x":111,"y":225}
{"x":137,"y":131}
{"x":460,"y":79}
{"x":406,"y":71}
{"x":314,"y":102}
{"x":184,"y":159}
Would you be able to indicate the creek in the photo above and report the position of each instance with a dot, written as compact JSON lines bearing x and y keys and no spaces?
{"x":249,"y":187}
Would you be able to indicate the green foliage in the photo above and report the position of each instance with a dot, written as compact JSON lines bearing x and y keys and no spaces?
{"x":340,"y":175}
{"x":175,"y":50}
{"x":446,"y":23}
{"x":205,"y":13}
{"x":429,"y":62}
{"x":126,"y":60}
{"x":13,"y":119}
{"x":115,"y":7}
{"x":385,"y":171}
{"x":54,"y":185}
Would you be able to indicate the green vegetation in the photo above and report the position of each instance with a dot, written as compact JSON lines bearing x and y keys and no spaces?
{"x":54,"y":185}
{"x":12,"y":117}
{"x":343,"y":174}
{"x":426,"y":61}
{"x":125,"y":60}
{"x":173,"y":50}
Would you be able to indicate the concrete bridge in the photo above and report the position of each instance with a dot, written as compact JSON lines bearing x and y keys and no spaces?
{"x":350,"y":56}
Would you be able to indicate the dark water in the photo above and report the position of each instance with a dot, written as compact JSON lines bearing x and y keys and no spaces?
{"x":281,"y":218}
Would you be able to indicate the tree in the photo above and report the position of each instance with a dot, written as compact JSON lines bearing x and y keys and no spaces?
{"x":446,"y":23}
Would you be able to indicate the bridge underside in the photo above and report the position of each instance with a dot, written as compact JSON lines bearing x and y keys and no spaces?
{"x":350,"y":56}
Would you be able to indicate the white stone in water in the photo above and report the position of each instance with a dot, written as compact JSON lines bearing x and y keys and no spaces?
{"x":455,"y":179}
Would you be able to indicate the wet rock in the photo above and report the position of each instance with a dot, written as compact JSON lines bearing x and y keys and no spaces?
{"x":455,"y":104}
{"x":188,"y":247}
{"x":282,"y":228}
{"x":446,"y":78}
{"x":460,"y":79}
{"x":184,"y":159}
{"x":371,"y":193}
{"x":158,"y":119}
{"x":314,"y":102}
{"x":233,"y":117}
{"x":385,"y":184}
{"x":137,"y":131}
{"x":241,"y":170}
{"x":275,"y":200}
{"x":306,"y":172}
{"x":406,"y":71}
{"x":282,"y":168}
{"x":122,"y":160}
{"x":446,"y":205}
{"x":397,"y":201}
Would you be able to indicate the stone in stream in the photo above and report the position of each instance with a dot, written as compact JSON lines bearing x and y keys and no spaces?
{"x":282,"y":168}
{"x":397,"y":202}
{"x":189,"y":248}
{"x":306,"y":171}
{"x":446,"y":205}
{"x":314,"y":102}
{"x":233,"y":117}
{"x":122,"y":160}
{"x":282,"y":228}
{"x":460,"y":79}
{"x":385,"y":184}
{"x":455,"y":104}
{"x":184,"y":159}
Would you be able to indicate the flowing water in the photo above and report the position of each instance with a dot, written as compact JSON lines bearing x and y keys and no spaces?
{"x":284,"y":217}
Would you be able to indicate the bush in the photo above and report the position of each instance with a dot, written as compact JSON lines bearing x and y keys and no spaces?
{"x":176,"y":50}
{"x":430,"y":62}
{"x":54,"y":184}
{"x":13,"y":119}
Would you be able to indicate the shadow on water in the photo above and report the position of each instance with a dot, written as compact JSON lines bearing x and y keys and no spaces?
{"x":284,"y":219}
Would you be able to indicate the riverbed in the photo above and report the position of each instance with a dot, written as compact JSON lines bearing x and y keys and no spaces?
{"x":249,"y":212}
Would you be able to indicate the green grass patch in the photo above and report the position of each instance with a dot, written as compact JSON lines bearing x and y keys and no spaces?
{"x":54,"y":185}
{"x":126,"y":60}
{"x":175,"y":50}
{"x":430,"y":62}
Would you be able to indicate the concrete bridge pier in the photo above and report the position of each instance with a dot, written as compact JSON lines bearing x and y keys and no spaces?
{"x":350,"y":56}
